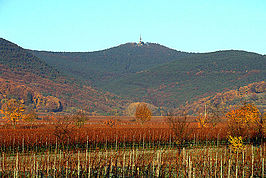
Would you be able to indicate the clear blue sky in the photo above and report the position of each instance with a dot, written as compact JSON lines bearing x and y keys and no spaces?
{"x":89,"y":25}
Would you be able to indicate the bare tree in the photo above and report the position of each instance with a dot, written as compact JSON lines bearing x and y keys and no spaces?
{"x":180,"y":127}
{"x":211,"y":115}
{"x":63,"y":129}
{"x":215,"y":113}
{"x":80,"y":118}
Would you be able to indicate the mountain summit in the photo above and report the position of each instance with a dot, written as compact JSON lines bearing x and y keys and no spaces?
{"x":110,"y":63}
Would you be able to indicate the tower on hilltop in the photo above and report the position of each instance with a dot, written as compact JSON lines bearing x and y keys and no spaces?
{"x":140,"y":41}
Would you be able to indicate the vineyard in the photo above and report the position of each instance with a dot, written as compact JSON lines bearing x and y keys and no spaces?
{"x":125,"y":148}
{"x":79,"y":100}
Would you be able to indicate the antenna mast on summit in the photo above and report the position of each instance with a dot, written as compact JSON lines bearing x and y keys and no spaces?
{"x":140,"y":41}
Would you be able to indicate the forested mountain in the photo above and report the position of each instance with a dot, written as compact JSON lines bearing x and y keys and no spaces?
{"x":192,"y":77}
{"x":150,"y":73}
{"x":19,"y":59}
{"x":106,"y":65}
{"x":159,"y":75}
{"x":41,"y":86}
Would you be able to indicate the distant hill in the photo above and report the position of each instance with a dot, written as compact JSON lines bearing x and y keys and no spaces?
{"x":41,"y":86}
{"x":158,"y":75}
{"x":191,"y":77}
{"x":19,"y":59}
{"x":106,"y":65}
{"x":150,"y":73}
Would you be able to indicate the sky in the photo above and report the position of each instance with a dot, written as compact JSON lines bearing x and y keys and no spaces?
{"x":91,"y":25}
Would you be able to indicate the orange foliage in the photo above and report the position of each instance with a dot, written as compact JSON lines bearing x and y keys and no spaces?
{"x":202,"y":121}
{"x":23,"y":84}
{"x":12,"y":111}
{"x":228,"y":96}
{"x":110,"y":123}
{"x":143,"y":113}
{"x":45,"y":133}
{"x":243,"y":120}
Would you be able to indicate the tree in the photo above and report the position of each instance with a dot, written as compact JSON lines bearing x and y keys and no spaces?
{"x":244,"y":120}
{"x":131,"y":108}
{"x":110,"y":123}
{"x":202,"y":120}
{"x":263,"y":120}
{"x":179,"y":125}
{"x":215,"y":113}
{"x":79,"y":118}
{"x":63,"y":129}
{"x":13,"y":111}
{"x":212,"y":115}
{"x":143,"y":113}
{"x":30,"y":116}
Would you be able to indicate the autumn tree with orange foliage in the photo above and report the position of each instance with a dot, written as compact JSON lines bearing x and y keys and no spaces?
{"x":143,"y":113}
{"x":244,"y":120}
{"x":110,"y":123}
{"x":13,"y":111}
{"x":202,"y":120}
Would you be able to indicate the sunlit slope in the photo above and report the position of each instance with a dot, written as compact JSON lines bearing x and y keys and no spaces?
{"x":43,"y":87}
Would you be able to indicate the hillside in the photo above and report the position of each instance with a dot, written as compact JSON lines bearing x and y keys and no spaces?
{"x":32,"y":98}
{"x":159,"y":75}
{"x":19,"y":59}
{"x":25,"y":76}
{"x":149,"y":73}
{"x":107,"y":65}
{"x":191,"y":77}
{"x":254,"y":93}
